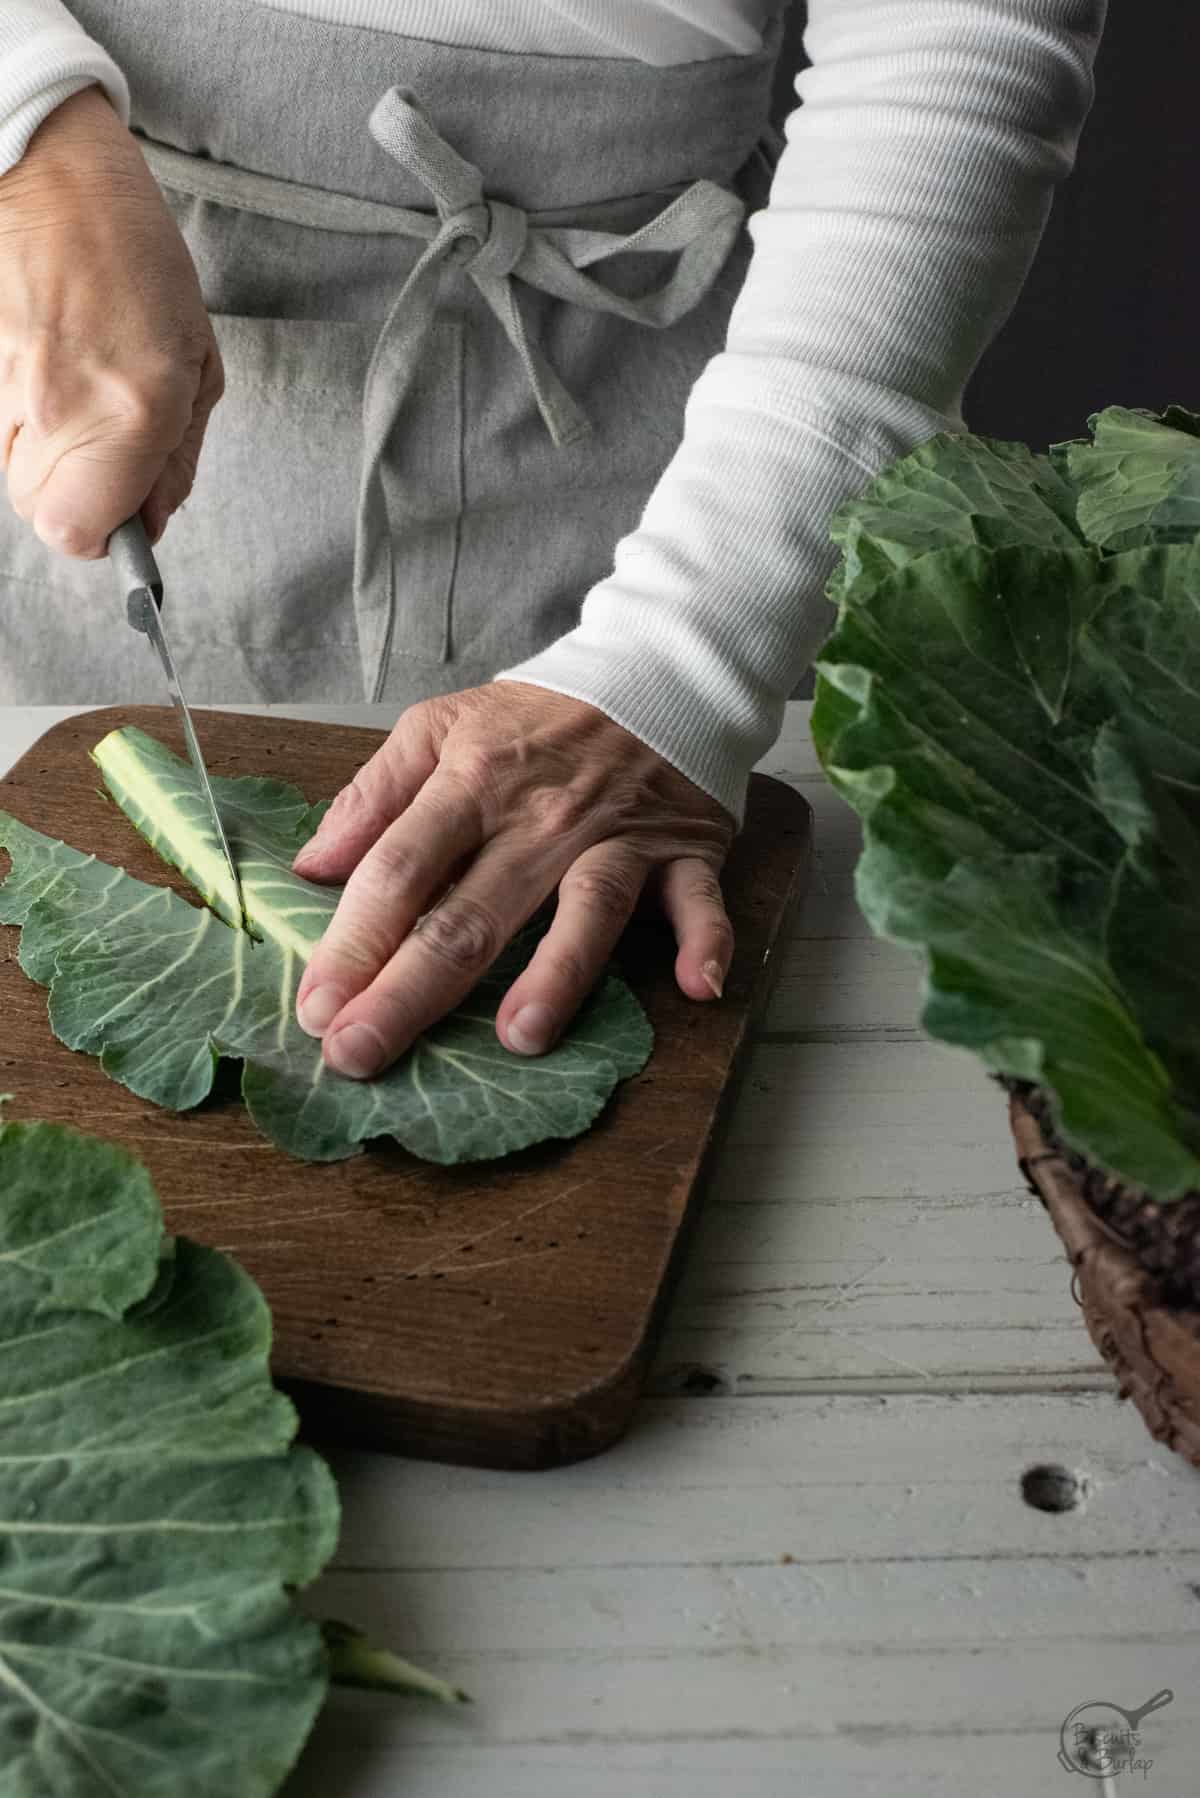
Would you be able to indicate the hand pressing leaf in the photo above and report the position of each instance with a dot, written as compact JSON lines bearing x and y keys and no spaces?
{"x":161,"y":989}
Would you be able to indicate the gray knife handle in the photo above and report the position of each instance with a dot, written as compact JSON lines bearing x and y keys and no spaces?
{"x":130,"y":553}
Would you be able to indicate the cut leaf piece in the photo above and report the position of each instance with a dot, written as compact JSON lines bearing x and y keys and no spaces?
{"x":265,"y":821}
{"x":153,"y":1510}
{"x":160,"y":989}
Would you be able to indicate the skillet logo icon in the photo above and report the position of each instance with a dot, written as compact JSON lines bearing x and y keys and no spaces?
{"x":1100,"y":1739}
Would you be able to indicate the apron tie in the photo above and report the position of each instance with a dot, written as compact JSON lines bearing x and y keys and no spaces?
{"x":494,"y":244}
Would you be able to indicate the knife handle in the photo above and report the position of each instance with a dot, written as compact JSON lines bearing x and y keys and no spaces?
{"x":130,"y":554}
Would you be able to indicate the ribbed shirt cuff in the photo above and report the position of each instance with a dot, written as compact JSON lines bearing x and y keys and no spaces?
{"x":39,"y":73}
{"x":715,"y":606}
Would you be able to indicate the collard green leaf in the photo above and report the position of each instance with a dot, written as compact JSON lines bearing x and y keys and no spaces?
{"x":1037,"y":998}
{"x":153,"y":1510}
{"x":1138,"y":481}
{"x":950,"y":490}
{"x":1153,"y":932}
{"x":1019,"y":727}
{"x":1142,"y":648}
{"x":161,"y":989}
{"x":938,"y":662}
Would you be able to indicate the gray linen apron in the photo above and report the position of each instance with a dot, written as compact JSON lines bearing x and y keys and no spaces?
{"x":461,"y":297}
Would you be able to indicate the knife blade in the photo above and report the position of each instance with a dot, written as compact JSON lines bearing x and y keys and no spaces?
{"x":130,"y":553}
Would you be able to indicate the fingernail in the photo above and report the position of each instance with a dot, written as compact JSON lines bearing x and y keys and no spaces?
{"x":357,"y":1050}
{"x":715,"y":978}
{"x":531,"y":1031}
{"x":317,"y":1010}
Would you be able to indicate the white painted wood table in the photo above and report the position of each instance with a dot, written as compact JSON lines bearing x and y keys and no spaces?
{"x":809,"y":1570}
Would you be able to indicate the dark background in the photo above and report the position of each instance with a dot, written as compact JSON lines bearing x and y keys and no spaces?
{"x":1111,"y":310}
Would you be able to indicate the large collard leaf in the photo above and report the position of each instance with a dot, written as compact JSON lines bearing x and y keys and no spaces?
{"x":1142,"y":646}
{"x":1146,"y":643}
{"x":1138,"y":482}
{"x":964,"y":490}
{"x":1036,"y":998}
{"x":153,"y":1511}
{"x":1153,"y":933}
{"x":161,"y":989}
{"x":960,"y":707}
{"x":948,"y":684}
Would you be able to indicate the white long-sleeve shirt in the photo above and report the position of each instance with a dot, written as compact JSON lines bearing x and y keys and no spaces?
{"x":904,"y":214}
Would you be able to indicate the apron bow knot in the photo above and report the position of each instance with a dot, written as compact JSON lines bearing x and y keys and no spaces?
{"x":502,"y":243}
{"x":494,"y":244}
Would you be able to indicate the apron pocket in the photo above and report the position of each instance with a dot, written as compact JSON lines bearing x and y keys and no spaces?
{"x":262,"y":554}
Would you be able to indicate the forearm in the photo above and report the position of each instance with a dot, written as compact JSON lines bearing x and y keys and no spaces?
{"x":904,"y":215}
{"x":45,"y":57}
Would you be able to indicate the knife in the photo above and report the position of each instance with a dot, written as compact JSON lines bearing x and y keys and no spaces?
{"x":130,"y":553}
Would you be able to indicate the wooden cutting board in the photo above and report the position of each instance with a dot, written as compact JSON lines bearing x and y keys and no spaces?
{"x":499,"y":1313}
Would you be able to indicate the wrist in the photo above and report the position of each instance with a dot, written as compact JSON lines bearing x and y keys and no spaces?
{"x":80,"y":150}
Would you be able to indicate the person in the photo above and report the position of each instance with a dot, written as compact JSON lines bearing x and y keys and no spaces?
{"x":524,"y":428}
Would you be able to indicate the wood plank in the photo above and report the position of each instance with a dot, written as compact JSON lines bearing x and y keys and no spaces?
{"x":891,"y":1294}
{"x":639,"y":1605}
{"x":547,"y":1270}
{"x":855,"y":1118}
{"x":859,"y":1763}
{"x":801,"y":1694}
{"x":469,"y":1619}
{"x":825,"y":1478}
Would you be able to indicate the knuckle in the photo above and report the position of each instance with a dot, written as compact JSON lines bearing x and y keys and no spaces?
{"x":566,"y":968}
{"x":138,"y":411}
{"x":146,"y":403}
{"x":460,"y":932}
{"x":349,"y":959}
{"x":350,"y":803}
{"x":370,"y":931}
{"x":399,"y":864}
{"x":610,"y":891}
{"x":557,"y":812}
{"x":473,"y":771}
{"x":705,"y":889}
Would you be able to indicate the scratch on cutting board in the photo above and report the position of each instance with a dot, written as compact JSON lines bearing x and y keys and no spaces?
{"x":349,"y":1209}
{"x":477,"y":1267}
{"x":556,"y":1198}
{"x":226,"y":1148}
